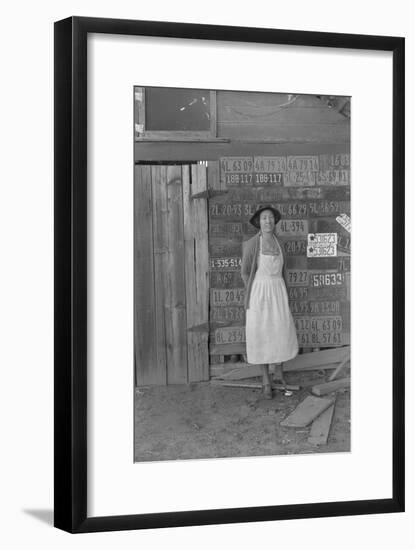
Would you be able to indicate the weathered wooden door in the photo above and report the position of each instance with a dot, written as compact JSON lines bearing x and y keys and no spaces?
{"x":171,"y":287}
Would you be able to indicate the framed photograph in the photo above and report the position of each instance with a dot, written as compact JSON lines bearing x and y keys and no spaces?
{"x":221,"y":354}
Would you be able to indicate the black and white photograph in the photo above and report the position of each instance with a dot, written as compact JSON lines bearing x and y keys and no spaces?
{"x":242,"y":264}
{"x":196,"y":353}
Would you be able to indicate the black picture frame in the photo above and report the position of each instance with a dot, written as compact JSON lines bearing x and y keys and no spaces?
{"x":70,"y":292}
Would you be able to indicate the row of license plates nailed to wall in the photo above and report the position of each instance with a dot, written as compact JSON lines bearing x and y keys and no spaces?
{"x":241,"y":211}
{"x":299,"y":170}
{"x":317,"y":245}
{"x":316,"y":330}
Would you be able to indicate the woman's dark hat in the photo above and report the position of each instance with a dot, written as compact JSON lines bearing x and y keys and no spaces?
{"x":255,"y":218}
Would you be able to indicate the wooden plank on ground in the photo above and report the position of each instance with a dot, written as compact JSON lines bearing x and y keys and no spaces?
{"x":241,"y":371}
{"x":175,"y":305}
{"x":315,"y":360}
{"x":196,"y":264}
{"x":306,"y":412}
{"x":323,"y":389}
{"x":144,"y":314}
{"x":160,"y":244}
{"x":320,"y":427}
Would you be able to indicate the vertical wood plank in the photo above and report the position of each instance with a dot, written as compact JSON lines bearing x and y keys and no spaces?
{"x":160,"y":244}
{"x":144,"y":320}
{"x":197,"y":272}
{"x":214,"y":176}
{"x":175,"y":297}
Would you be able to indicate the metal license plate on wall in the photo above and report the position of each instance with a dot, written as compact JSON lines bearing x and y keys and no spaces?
{"x":332,"y":307}
{"x":318,"y":324}
{"x":321,"y":245}
{"x":333,"y":177}
{"x":296,"y":277}
{"x":226,"y":279}
{"x":319,"y":331}
{"x":322,"y":339}
{"x":226,"y":264}
{"x":293,"y":228}
{"x":294,"y":247}
{"x":324,"y":279}
{"x":229,"y":335}
{"x":300,"y":178}
{"x":228,"y":314}
{"x":227,"y":297}
{"x":225,"y":229}
{"x":334,"y":160}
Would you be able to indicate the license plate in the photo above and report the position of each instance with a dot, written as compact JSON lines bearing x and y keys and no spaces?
{"x":226,"y":228}
{"x":303,"y":163}
{"x":327,"y":279}
{"x":229,"y":335}
{"x":333,"y":177}
{"x":226,"y":279}
{"x":335,"y":160}
{"x":293,"y":228}
{"x":227,"y":314}
{"x":296,"y":277}
{"x":270,"y":164}
{"x":321,"y":339}
{"x":319,"y":324}
{"x":227,"y":297}
{"x":231,"y":264}
{"x":297,"y":177}
{"x":230,"y":165}
{"x":321,"y":245}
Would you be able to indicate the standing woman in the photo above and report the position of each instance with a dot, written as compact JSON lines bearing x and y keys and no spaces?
{"x":271,"y":337}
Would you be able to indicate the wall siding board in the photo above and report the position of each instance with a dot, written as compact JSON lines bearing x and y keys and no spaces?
{"x":196,"y":271}
{"x":160,"y":239}
{"x":175,"y":301}
{"x":144,"y":322}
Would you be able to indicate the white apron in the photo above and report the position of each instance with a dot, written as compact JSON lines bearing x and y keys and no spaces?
{"x":270,"y":331}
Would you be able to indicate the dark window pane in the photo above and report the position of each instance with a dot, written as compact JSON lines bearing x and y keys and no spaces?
{"x":175,"y":109}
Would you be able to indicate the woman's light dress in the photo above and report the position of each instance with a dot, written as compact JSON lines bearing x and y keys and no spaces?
{"x":270,"y":331}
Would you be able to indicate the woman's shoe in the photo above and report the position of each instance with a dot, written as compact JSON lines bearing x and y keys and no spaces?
{"x":267,"y":391}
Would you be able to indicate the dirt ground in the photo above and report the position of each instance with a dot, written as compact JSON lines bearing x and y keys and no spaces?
{"x":206,"y":421}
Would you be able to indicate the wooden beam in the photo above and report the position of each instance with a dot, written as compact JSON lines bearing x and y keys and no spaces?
{"x":228,"y":349}
{"x":323,"y":389}
{"x":320,"y":427}
{"x":239,"y":371}
{"x":209,"y":193}
{"x":306,"y":412}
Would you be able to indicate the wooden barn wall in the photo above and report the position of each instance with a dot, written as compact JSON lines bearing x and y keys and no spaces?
{"x":312,"y":193}
{"x":304,"y":147}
